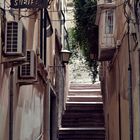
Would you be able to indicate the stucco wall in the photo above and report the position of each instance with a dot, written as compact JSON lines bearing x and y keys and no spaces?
{"x":27,"y":99}
{"x":116,"y":88}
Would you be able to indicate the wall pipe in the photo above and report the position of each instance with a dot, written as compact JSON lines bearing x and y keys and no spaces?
{"x":139,"y":90}
{"x":45,"y":35}
{"x":41,"y":32}
{"x":11,"y":105}
{"x":120,"y":128}
{"x":130,"y":98}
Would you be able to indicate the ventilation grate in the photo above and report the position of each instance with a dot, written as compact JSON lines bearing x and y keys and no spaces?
{"x":25,"y":71}
{"x":12,"y":37}
{"x":28,"y":70}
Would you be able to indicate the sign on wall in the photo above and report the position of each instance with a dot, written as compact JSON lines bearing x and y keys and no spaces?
{"x":29,"y":3}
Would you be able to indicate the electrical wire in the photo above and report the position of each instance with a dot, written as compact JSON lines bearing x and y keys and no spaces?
{"x":94,"y":6}
{"x":126,"y":14}
{"x":59,"y":11}
{"x":34,"y":13}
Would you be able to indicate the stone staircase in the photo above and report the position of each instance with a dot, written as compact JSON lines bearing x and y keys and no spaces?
{"x":83,"y":118}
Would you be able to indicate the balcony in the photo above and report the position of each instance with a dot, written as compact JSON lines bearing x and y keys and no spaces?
{"x":69,"y":3}
{"x":107,"y":48}
{"x":105,"y":4}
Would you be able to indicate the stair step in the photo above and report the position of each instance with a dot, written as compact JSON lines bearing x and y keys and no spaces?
{"x":84,"y":86}
{"x":70,"y":115}
{"x":84,"y":107}
{"x":84,"y":99}
{"x":82,"y":125}
{"x":83,"y":118}
{"x":82,"y":129}
{"x":96,"y":92}
{"x":82,"y":133}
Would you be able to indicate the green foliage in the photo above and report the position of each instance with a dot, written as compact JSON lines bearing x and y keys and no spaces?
{"x":85,"y":33}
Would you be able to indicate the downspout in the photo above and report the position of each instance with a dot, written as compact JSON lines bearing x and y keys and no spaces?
{"x":139,"y":92}
{"x":45,"y":35}
{"x":119,"y":104}
{"x":130,"y":98}
{"x":41,"y":32}
{"x":120,"y":127}
{"x":11,"y":105}
{"x":46,"y":114}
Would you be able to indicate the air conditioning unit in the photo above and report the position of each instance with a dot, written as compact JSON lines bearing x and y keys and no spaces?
{"x":13,"y":51}
{"x":14,"y":39}
{"x":27,"y":73}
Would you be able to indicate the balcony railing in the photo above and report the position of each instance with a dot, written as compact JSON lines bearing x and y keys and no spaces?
{"x":109,"y":41}
{"x":106,"y":3}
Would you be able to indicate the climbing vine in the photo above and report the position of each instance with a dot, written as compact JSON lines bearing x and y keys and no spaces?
{"x":85,"y":33}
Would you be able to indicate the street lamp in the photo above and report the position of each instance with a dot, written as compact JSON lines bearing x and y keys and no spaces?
{"x":65,"y":55}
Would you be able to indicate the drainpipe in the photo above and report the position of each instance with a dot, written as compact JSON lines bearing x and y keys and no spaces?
{"x":120,"y":127}
{"x":11,"y":105}
{"x":130,"y":98}
{"x":41,"y":32}
{"x":139,"y":92}
{"x":46,"y":114}
{"x":45,"y":35}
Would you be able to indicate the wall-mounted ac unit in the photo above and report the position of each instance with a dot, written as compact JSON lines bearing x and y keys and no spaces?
{"x":14,"y":39}
{"x":27,"y":73}
{"x":14,"y":49}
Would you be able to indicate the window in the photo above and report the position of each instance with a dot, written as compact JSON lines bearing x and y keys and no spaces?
{"x":109,"y":22}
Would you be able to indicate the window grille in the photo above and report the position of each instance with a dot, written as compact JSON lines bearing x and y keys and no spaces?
{"x":25,"y":71}
{"x":12,"y":37}
{"x":28,"y":70}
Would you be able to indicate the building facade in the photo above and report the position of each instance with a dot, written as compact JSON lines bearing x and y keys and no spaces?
{"x":118,"y":53}
{"x":33,"y":77}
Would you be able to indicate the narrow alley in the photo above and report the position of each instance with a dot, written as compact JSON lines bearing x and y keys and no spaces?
{"x":69,"y":69}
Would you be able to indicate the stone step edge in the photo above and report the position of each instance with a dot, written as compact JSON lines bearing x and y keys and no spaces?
{"x":77,"y":128}
{"x":84,"y":102}
{"x":76,"y":96}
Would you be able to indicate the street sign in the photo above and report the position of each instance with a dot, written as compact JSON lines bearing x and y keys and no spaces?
{"x":29,"y":3}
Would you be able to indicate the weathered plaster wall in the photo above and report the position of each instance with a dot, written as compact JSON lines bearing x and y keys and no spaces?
{"x":116,"y":87}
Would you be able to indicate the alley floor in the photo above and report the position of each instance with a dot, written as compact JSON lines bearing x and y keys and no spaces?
{"x":83,"y":118}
